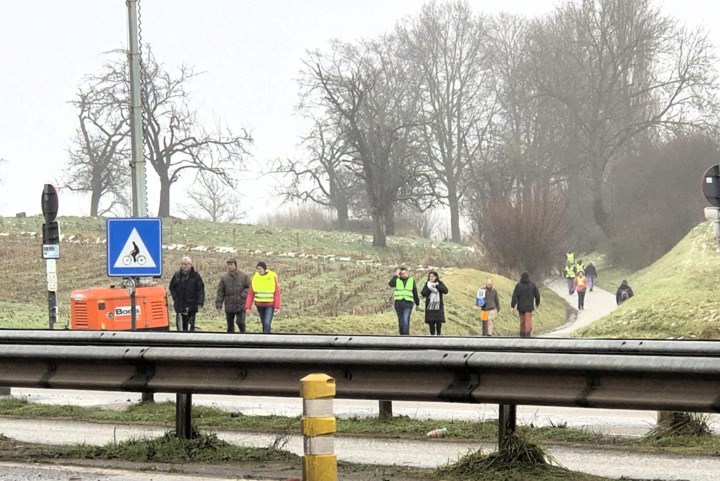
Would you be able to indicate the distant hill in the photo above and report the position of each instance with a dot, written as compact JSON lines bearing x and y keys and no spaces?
{"x":333,"y":282}
{"x":676,"y":297}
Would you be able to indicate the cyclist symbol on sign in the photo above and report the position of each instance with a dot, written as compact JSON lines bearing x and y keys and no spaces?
{"x":134,"y":257}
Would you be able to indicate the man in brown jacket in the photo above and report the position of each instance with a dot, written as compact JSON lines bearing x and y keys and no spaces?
{"x":232,"y":291}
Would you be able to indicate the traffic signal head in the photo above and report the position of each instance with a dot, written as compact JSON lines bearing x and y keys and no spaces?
{"x":51,"y":233}
{"x":49,"y":202}
{"x":711,"y":185}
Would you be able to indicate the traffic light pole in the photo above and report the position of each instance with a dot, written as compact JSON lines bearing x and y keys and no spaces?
{"x":50,"y":247}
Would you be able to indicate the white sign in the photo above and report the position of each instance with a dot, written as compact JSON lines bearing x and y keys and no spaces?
{"x":51,"y":282}
{"x":124,"y":311}
{"x":51,"y":251}
{"x":134,"y":253}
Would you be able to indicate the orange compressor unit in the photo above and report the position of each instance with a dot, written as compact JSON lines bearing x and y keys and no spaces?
{"x":108,"y":309}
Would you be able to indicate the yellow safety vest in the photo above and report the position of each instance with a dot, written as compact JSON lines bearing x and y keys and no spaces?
{"x":569,"y":272}
{"x":403,"y":292}
{"x":570,"y":257}
{"x":264,"y":287}
{"x":581,"y":281}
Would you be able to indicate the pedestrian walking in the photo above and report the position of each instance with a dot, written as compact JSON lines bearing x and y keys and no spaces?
{"x":405,"y":296}
{"x":580,"y":286}
{"x":490,"y":308}
{"x":188,"y":293}
{"x":591,"y":274}
{"x":569,"y":273}
{"x":434,"y":292}
{"x":624,"y":292}
{"x":526,"y":297}
{"x":265,"y":293}
{"x":232,"y":292}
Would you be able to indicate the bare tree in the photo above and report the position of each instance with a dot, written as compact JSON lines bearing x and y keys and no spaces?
{"x":212,"y":200}
{"x":373,"y":92}
{"x":99,"y":154}
{"x":448,"y":43}
{"x":175,"y":140}
{"x":323,"y":176}
{"x":620,"y":68}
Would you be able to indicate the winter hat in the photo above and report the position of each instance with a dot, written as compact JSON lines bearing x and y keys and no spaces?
{"x":261,"y":264}
{"x":525,"y":276}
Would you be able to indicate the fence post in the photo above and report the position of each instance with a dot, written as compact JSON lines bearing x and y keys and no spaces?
{"x":318,"y":427}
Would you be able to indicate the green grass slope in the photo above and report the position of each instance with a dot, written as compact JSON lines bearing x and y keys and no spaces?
{"x":676,"y":297}
{"x":333,"y":282}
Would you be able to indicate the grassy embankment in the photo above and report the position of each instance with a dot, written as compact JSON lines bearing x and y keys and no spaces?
{"x":675,"y":297}
{"x":333,"y":282}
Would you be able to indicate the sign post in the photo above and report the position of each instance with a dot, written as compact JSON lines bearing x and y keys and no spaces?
{"x":51,"y":247}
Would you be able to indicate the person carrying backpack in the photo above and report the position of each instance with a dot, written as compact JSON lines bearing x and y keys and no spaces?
{"x":623,"y":293}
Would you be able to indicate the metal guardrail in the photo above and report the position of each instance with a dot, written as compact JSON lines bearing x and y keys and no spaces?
{"x":622,"y":374}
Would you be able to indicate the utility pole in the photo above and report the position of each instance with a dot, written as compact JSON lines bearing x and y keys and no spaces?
{"x":137,"y":164}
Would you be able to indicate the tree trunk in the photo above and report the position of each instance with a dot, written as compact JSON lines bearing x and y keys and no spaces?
{"x":379,"y":232}
{"x":164,"y":205}
{"x":454,"y":204}
{"x":389,"y":214}
{"x":342,"y":215}
{"x":94,"y":202}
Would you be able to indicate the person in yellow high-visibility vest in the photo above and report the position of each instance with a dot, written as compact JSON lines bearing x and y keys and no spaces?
{"x":405,"y":295}
{"x":265,"y":294}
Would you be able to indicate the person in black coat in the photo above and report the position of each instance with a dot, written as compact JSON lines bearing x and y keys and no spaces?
{"x":623,"y":293}
{"x":433,"y":292}
{"x":188,"y":292}
{"x":526,"y":297}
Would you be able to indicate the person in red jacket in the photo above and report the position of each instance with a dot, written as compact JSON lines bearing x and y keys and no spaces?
{"x":265,"y":294}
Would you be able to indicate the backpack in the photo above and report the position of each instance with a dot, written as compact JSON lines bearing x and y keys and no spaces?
{"x":624,"y":296}
{"x":480,"y":297}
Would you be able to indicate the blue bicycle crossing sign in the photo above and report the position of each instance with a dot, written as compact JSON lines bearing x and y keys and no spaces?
{"x":134,"y":247}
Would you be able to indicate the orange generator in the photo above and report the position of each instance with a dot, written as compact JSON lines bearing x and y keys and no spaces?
{"x":108,"y":309}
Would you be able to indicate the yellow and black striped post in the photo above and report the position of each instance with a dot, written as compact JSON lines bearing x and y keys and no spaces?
{"x":318,"y":427}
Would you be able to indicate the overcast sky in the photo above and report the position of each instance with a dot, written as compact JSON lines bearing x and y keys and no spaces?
{"x":250,"y":51}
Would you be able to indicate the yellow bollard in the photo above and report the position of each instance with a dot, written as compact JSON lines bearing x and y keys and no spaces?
{"x":318,"y":427}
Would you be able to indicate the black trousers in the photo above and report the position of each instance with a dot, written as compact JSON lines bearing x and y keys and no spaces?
{"x":232,"y":317}
{"x":186,"y":321}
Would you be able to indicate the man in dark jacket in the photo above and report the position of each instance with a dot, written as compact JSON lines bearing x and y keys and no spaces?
{"x":188,"y":292}
{"x":405,"y":296}
{"x":624,"y":292}
{"x":232,"y":291}
{"x":490,"y":309}
{"x":591,"y":274}
{"x":526,"y":297}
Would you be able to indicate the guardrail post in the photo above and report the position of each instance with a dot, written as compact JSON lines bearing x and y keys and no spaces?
{"x":385,"y":409}
{"x":318,"y":427}
{"x":183,"y":410}
{"x":183,"y":416}
{"x":507,"y":422}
